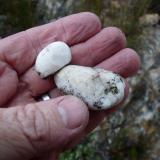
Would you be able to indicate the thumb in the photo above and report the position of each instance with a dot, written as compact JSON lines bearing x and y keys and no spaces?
{"x":31,"y":130}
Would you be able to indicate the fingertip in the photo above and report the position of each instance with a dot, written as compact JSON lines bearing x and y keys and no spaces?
{"x":117,"y":34}
{"x":74,"y":112}
{"x":125,"y":62}
{"x":79,"y":27}
{"x":94,"y":18}
{"x":133,"y":59}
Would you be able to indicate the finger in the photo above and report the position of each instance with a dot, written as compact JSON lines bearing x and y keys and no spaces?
{"x":20,"y":50}
{"x":101,"y":46}
{"x":126,"y":63}
{"x":35,"y":84}
{"x":41,"y":127}
{"x":8,"y":83}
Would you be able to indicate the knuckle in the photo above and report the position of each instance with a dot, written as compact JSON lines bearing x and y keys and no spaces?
{"x":33,"y":124}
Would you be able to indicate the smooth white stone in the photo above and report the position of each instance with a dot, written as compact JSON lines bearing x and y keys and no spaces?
{"x":98,"y":88}
{"x":52,"y":58}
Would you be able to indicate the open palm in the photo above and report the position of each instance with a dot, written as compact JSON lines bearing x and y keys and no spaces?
{"x":28,"y":129}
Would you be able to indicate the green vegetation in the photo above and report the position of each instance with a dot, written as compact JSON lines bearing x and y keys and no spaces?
{"x":123,"y":14}
{"x":126,"y":16}
{"x":84,"y":151}
{"x":18,"y":15}
{"x":126,"y":147}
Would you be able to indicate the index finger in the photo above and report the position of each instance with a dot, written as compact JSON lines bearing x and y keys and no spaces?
{"x":20,"y":50}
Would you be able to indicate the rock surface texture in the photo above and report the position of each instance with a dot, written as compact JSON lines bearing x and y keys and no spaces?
{"x":98,"y":88}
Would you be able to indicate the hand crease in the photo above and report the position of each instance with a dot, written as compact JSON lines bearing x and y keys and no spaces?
{"x":22,"y":128}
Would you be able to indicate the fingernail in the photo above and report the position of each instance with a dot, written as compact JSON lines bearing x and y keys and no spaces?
{"x":73,"y":112}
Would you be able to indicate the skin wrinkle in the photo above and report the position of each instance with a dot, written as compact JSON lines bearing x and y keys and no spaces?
{"x":129,"y":61}
{"x":11,"y":57}
{"x":99,"y":46}
{"x":49,"y":135}
{"x":43,"y":84}
{"x":41,"y":139}
{"x":34,"y":43}
{"x":45,"y":37}
{"x":21,"y":98}
{"x":64,"y":32}
{"x":33,"y":46}
{"x":117,"y":40}
{"x":3,"y":67}
{"x":13,"y":140}
{"x":8,"y":64}
{"x":21,"y":127}
{"x":33,"y":111}
{"x":76,"y":31}
{"x":45,"y":138}
{"x":27,"y":88}
{"x":37,"y":124}
{"x":8,"y":84}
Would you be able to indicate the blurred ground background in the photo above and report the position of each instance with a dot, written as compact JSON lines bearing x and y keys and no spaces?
{"x":133,"y":132}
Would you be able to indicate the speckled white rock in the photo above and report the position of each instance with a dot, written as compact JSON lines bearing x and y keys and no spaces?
{"x":98,"y":88}
{"x":52,"y":58}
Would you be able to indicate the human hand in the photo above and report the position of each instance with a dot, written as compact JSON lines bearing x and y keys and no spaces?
{"x":41,"y":130}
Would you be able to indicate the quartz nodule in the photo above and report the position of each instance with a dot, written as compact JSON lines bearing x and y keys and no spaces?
{"x":98,"y":88}
{"x":52,"y":58}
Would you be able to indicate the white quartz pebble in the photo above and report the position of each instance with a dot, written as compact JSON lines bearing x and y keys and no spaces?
{"x":98,"y":88}
{"x":52,"y":58}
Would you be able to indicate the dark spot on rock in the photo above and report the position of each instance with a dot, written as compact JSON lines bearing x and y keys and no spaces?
{"x":121,"y":79}
{"x":114,"y":89}
{"x":71,"y":92}
{"x":99,"y":107}
{"x":39,"y":73}
{"x":106,"y":91}
{"x":98,"y":104}
{"x":111,"y":88}
{"x":108,"y":82}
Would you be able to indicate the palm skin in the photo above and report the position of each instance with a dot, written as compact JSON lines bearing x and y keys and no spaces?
{"x":34,"y":130}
